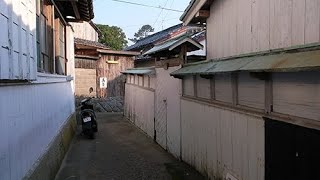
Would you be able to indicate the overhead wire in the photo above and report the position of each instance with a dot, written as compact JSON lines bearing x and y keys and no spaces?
{"x":146,"y":5}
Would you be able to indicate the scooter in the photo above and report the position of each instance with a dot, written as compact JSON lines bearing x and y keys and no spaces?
{"x":88,"y":118}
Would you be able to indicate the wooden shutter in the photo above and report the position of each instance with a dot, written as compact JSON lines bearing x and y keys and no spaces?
{"x":18,"y":40}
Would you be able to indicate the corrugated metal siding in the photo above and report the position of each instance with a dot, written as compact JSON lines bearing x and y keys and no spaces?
{"x":18,"y":39}
{"x":218,"y":141}
{"x":297,"y":94}
{"x":139,"y":108}
{"x":33,"y":116}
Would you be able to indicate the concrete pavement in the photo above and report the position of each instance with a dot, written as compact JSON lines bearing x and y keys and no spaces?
{"x":120,"y":151}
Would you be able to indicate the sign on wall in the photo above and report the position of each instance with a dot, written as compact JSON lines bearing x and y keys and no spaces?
{"x":103,"y":82}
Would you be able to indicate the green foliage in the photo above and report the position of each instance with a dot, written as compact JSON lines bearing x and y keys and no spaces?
{"x":142,"y":33}
{"x":113,"y":37}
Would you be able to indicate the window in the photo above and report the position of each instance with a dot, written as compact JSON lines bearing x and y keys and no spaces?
{"x":50,"y":26}
{"x":188,"y":86}
{"x":203,"y":87}
{"x":223,"y":88}
{"x":251,"y":91}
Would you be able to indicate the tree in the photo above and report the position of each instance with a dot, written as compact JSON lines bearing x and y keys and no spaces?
{"x":142,"y":33}
{"x":113,"y":37}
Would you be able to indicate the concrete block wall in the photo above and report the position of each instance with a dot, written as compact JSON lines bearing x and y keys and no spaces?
{"x":85,"y":79}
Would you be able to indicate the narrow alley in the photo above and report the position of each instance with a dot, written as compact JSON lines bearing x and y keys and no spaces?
{"x":120,"y":151}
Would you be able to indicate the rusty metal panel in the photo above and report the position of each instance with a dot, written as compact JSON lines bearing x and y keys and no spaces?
{"x":218,"y":141}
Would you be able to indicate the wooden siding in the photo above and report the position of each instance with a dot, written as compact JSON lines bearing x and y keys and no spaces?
{"x":297,"y":94}
{"x":116,"y":81}
{"x":243,"y":26}
{"x":139,"y":108}
{"x":18,"y":40}
{"x":203,"y":88}
{"x":85,"y":63}
{"x":251,"y":91}
{"x":32,"y":118}
{"x":223,"y":88}
{"x":218,"y":141}
{"x":188,"y":86}
{"x":85,"y":31}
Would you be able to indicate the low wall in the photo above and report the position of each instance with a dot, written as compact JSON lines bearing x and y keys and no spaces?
{"x":139,"y":107}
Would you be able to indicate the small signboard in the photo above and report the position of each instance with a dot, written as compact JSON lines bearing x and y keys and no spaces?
{"x":103,"y":83}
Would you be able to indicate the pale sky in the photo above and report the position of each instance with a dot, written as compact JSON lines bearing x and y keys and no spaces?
{"x":131,"y":17}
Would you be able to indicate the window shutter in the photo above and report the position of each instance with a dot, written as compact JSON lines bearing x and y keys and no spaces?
{"x":17,"y":40}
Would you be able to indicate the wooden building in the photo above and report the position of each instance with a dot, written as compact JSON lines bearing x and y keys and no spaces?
{"x":250,"y":111}
{"x":36,"y":85}
{"x":94,"y":61}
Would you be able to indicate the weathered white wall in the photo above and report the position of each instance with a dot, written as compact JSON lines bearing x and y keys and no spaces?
{"x":297,"y":94}
{"x":167,"y":112}
{"x":218,"y":141}
{"x":139,"y":107}
{"x":242,"y":26}
{"x":85,"y":31}
{"x":30,"y":117}
{"x":18,"y":40}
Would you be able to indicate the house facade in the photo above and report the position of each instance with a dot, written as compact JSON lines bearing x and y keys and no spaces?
{"x":250,"y":110}
{"x":36,"y":85}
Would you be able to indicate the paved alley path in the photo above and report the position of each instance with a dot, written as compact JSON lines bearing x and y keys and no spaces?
{"x":120,"y":151}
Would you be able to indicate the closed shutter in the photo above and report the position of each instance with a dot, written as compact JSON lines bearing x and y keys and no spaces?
{"x":17,"y":40}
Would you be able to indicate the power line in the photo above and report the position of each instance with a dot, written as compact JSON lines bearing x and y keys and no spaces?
{"x":145,"y":5}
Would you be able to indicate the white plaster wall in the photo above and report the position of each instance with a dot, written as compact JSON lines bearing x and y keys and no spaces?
{"x":30,"y":117}
{"x":218,"y":141}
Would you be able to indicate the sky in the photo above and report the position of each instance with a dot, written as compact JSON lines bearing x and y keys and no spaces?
{"x":131,"y":17}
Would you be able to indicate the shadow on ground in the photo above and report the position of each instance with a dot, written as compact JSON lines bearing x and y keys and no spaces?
{"x":121,"y":151}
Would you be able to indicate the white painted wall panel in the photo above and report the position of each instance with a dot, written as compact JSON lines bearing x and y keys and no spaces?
{"x":85,"y":31}
{"x":35,"y":113}
{"x":297,"y":94}
{"x":223,"y":87}
{"x":222,"y":141}
{"x":203,"y":88}
{"x":251,"y":91}
{"x":243,"y":26}
{"x":139,"y":108}
{"x":172,"y":92}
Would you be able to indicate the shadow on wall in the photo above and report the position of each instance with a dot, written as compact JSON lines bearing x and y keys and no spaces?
{"x":115,"y":88}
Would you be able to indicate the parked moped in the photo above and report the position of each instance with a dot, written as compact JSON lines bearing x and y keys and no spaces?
{"x":88,"y":119}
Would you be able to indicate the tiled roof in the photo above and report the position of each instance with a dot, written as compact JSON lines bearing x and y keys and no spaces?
{"x":148,"y":41}
{"x":90,"y":43}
